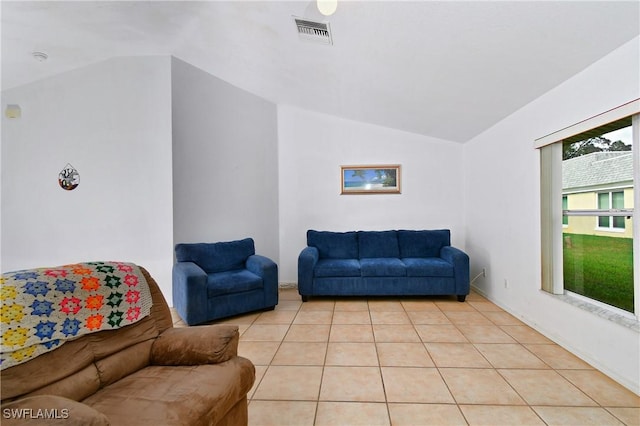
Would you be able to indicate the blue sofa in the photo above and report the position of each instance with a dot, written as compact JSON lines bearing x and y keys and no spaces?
{"x":382,"y":263}
{"x":217,"y":280}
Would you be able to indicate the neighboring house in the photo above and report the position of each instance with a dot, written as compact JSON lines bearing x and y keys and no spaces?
{"x":600,"y":180}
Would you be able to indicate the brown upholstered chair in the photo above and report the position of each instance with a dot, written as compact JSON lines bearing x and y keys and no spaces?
{"x":147,"y":373}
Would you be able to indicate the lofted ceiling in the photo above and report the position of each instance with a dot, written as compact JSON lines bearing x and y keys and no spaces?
{"x":446,"y":69}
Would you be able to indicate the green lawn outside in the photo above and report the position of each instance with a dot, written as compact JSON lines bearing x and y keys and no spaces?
{"x":600,"y":268}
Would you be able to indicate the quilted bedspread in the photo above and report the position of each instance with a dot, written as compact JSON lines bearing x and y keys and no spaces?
{"x":45,"y":307}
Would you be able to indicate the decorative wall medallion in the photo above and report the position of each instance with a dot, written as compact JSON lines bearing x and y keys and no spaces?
{"x":69,"y":178}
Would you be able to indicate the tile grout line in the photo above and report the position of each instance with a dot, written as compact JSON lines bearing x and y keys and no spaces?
{"x":440,"y":372}
{"x":324,"y":364}
{"x":269,"y":365}
{"x":375,"y":345}
{"x":500,"y":375}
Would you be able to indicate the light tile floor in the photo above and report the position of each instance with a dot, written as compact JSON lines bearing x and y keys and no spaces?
{"x":417,"y":361}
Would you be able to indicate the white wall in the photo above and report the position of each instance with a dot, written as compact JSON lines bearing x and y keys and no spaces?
{"x":225,"y":162}
{"x":112,"y":122}
{"x":502,"y":194}
{"x":313,"y":146}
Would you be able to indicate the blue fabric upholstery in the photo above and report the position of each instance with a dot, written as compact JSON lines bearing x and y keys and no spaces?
{"x":460,"y":262}
{"x":363,"y":263}
{"x":236,"y":281}
{"x":378,"y":244}
{"x":428,"y":267}
{"x":334,"y":245}
{"x":383,"y":267}
{"x":337,"y":268}
{"x":216,"y":257}
{"x":217,"y":280}
{"x":423,"y":243}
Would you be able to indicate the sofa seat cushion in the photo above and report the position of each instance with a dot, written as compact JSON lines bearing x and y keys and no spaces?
{"x":232,"y":282}
{"x":428,"y":267}
{"x":175,"y":395}
{"x":337,"y":268}
{"x":383,"y":267}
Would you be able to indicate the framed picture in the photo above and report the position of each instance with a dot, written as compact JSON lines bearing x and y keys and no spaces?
{"x":380,"y":179}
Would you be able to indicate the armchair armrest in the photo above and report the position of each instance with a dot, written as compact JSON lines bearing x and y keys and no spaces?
{"x":268,"y":270}
{"x":262,"y":266}
{"x":62,"y":411}
{"x":460,"y":261}
{"x":210,"y":344}
{"x":306,"y":263}
{"x":189,"y":285}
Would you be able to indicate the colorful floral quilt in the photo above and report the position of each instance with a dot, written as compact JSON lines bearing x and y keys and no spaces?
{"x":40,"y":309}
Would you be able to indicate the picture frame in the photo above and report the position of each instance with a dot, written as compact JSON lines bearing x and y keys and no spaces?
{"x":370,"y":179}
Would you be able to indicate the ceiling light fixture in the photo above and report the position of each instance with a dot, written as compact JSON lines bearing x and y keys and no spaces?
{"x":327,"y":7}
{"x":40,"y":56}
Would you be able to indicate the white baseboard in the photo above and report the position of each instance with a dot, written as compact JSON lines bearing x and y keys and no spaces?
{"x":287,"y":285}
{"x":624,"y":381}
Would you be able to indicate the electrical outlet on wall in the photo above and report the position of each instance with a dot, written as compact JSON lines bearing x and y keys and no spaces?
{"x":506,"y":283}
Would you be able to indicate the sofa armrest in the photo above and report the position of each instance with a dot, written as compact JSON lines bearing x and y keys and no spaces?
{"x":51,"y":410}
{"x":189,"y":285}
{"x":208,"y":344}
{"x":306,"y":263}
{"x":460,"y":261}
{"x":267,"y":269}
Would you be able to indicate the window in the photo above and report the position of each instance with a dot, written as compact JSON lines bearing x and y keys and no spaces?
{"x":609,"y":201}
{"x":590,"y":246}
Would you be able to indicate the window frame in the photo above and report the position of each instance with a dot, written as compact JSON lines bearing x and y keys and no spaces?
{"x":552,"y":212}
{"x":611,"y":218}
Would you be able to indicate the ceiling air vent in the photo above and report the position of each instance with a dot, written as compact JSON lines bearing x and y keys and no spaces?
{"x":314,"y":31}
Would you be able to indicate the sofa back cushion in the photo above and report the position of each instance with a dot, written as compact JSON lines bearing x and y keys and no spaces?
{"x":216,"y":257}
{"x":378,"y":244}
{"x":80,"y":367}
{"x":423,"y":243}
{"x":334,"y":245}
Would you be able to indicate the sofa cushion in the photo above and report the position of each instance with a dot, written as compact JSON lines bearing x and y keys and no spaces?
{"x":334,"y":245}
{"x":207,"y":344}
{"x":337,"y":268}
{"x":216,"y":257}
{"x":428,"y":267}
{"x":122,"y":363}
{"x":382,"y":267}
{"x":423,"y":243}
{"x":376,"y":244}
{"x":232,"y":282}
{"x":176,"y":395}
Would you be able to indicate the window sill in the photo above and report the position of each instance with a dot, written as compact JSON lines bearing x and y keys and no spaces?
{"x":611,"y":230}
{"x":618,"y":316}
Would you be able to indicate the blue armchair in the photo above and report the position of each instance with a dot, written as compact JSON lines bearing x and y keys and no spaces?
{"x":217,"y":280}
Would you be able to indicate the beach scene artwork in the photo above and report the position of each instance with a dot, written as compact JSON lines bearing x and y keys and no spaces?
{"x":382,"y":179}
